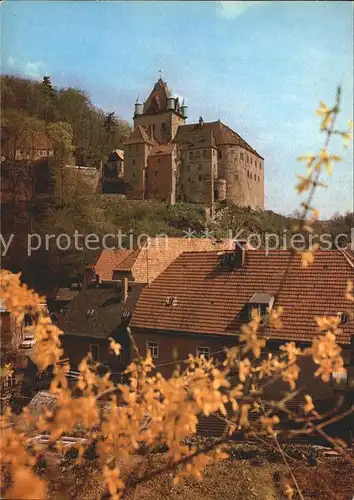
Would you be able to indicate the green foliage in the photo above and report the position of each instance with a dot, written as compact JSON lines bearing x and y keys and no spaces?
{"x":95,"y":133}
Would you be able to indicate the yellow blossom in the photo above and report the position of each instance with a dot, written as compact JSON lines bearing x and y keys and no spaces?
{"x":309,"y":406}
{"x":308,"y":257}
{"x":116,"y":348}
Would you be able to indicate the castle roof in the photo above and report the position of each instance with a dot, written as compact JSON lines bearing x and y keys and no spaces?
{"x":140,"y":135}
{"x":157,"y":100}
{"x":162,"y":149}
{"x":199,"y":137}
{"x":223,"y":135}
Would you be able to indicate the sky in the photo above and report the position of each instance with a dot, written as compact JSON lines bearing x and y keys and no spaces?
{"x":260,"y":67}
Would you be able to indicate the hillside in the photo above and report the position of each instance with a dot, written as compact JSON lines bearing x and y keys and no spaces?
{"x":31,"y":107}
{"x":105,"y":214}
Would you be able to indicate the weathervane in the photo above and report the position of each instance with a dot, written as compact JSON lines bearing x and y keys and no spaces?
{"x":160,"y":73}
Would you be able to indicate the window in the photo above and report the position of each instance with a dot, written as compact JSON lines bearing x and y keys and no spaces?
{"x":199,"y":178}
{"x":214,"y":152}
{"x":203,"y":351}
{"x":133,"y":162}
{"x":219,"y":154}
{"x":130,"y":149}
{"x":156,"y":173}
{"x":258,"y":179}
{"x":137,"y":148}
{"x":163,"y":126}
{"x":95,"y":352}
{"x":191,"y":155}
{"x":242,"y":156}
{"x":340,"y":380}
{"x":189,"y":179}
{"x":199,"y":166}
{"x":204,"y":153}
{"x":255,"y":177}
{"x":171,"y":301}
{"x":197,"y":154}
{"x":28,"y":320}
{"x":247,"y":159}
{"x":133,"y":175}
{"x":262,"y":310}
{"x":90,"y":312}
{"x":344,"y":317}
{"x":153,"y":347}
{"x":251,"y":160}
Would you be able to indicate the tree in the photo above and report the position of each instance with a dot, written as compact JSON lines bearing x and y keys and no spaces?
{"x":61,"y":134}
{"x":50,"y":104}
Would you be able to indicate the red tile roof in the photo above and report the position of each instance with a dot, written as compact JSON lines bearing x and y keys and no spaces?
{"x":211,"y":296}
{"x":162,"y":149}
{"x":158,"y":254}
{"x":147,"y":263}
{"x":110,"y":261}
{"x":222,"y":135}
{"x":140,"y":135}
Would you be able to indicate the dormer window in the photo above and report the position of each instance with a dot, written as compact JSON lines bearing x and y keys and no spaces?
{"x":344,"y":317}
{"x":171,"y":301}
{"x":260,"y":302}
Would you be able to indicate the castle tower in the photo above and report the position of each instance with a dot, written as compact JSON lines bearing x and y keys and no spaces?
{"x":161,"y":114}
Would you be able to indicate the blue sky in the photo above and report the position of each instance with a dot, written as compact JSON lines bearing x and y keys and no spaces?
{"x":260,"y":67}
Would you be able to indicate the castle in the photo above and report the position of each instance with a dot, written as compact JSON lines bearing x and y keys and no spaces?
{"x":167,"y":160}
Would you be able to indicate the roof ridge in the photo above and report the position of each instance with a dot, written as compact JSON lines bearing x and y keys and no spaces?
{"x":348,"y":258}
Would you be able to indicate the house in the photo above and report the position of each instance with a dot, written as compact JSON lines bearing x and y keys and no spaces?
{"x":28,"y":145}
{"x":204,"y":162}
{"x":99,"y":312}
{"x":115,"y":164}
{"x":61,"y":298}
{"x":112,"y":181}
{"x":198,"y":304}
{"x":10,"y":329}
{"x":144,"y":264}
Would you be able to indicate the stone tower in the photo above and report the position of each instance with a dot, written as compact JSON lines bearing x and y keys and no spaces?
{"x":161,"y":114}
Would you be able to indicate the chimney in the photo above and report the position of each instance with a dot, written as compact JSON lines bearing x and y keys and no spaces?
{"x":98,"y":281}
{"x":124,"y":293}
{"x":240,"y":253}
